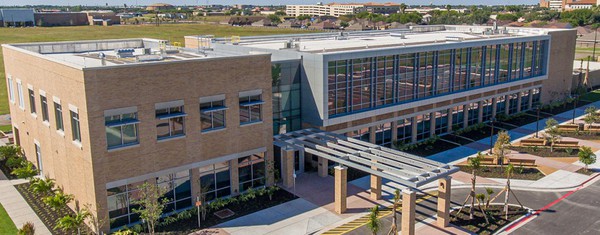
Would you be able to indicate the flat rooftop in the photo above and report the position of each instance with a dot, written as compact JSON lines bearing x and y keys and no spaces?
{"x":361,"y":40}
{"x":104,"y":53}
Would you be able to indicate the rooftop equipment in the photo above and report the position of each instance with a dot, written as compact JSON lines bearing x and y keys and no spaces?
{"x":125,"y":53}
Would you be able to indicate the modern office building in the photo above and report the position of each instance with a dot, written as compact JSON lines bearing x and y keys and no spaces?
{"x":103,"y":116}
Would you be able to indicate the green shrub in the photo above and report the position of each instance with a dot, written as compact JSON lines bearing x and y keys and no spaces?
{"x":25,"y":172}
{"x":14,"y":162}
{"x":126,"y":231}
{"x":27,"y":229}
{"x":58,"y":200}
{"x":569,"y":151}
{"x":9,"y":151}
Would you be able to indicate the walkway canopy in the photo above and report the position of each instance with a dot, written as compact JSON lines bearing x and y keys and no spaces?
{"x":400,"y":167}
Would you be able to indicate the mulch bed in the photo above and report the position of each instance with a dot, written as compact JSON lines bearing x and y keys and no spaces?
{"x":48,"y":216}
{"x":6,"y":170}
{"x":478,"y":225}
{"x":583,"y":171}
{"x":582,"y":135}
{"x":455,"y":139}
{"x":520,"y":173}
{"x":239,"y":208}
{"x":428,"y":150}
{"x":545,"y":151}
{"x":542,"y":114}
{"x":565,"y":107}
{"x":523,"y":119}
{"x":481,"y":133}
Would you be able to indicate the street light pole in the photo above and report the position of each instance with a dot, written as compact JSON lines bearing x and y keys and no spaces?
{"x":492,"y":136}
{"x":537,"y":123}
{"x":574,"y":108}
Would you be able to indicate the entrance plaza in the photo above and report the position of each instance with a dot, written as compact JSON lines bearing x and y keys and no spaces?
{"x":408,"y":171}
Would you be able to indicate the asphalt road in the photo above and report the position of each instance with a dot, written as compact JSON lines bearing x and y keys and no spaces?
{"x":577,"y":214}
{"x":427,"y":208}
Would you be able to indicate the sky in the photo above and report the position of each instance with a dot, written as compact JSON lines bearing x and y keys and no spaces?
{"x":255,"y":2}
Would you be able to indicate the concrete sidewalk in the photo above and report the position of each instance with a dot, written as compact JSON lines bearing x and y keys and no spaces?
{"x":17,"y":208}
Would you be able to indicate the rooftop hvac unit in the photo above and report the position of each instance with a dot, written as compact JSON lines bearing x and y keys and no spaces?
{"x":454,"y":38}
{"x":398,"y":35}
{"x":125,"y":53}
{"x":341,"y":38}
{"x":148,"y":58}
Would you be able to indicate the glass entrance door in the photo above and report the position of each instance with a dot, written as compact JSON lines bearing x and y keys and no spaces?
{"x":299,"y":161}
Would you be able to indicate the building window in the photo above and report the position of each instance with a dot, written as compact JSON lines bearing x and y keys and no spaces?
{"x":250,"y":107}
{"x":32,"y":101}
{"x":362,"y":134}
{"x":75,"y":126}
{"x":383,"y":135}
{"x":441,"y":122}
{"x":170,"y":121}
{"x":11,"y":91}
{"x":212,"y":115}
{"x":404,"y":130}
{"x":20,"y":94}
{"x":121,"y":129}
{"x":215,"y":181}
{"x":473,"y":113}
{"x":178,"y":190}
{"x":44,"y":103}
{"x":59,"y":117}
{"x":251,"y":172}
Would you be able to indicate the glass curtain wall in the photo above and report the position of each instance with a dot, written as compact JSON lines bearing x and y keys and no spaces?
{"x":362,"y":84}
{"x":286,"y":96}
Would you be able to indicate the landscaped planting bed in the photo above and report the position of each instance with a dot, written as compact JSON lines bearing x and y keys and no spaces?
{"x":585,"y":172}
{"x":6,"y":170}
{"x":239,"y":208}
{"x":564,"y":107}
{"x":481,"y":133}
{"x":46,"y":214}
{"x":545,"y":151}
{"x":456,"y":139}
{"x":495,"y":215}
{"x":426,"y":150}
{"x":582,"y":135}
{"x":523,"y":119}
{"x":520,"y":173}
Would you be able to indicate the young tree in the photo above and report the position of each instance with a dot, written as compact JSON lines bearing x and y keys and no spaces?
{"x":151,"y":204}
{"x":591,"y":115}
{"x":586,"y":156}
{"x":552,"y":132}
{"x":374,"y":224}
{"x":70,"y":223}
{"x":97,"y":221}
{"x":502,"y":143}
{"x":474,"y":164}
{"x":27,"y":229}
{"x":489,"y":192}
{"x":394,"y":228}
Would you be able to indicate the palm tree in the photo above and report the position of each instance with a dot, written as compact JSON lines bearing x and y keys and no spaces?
{"x":402,"y":8}
{"x":42,"y":187}
{"x":474,"y":164}
{"x":509,"y":171}
{"x":586,"y":156}
{"x":373,"y":223}
{"x":394,"y":228}
{"x":71,"y":223}
{"x":480,"y":197}
{"x":448,"y":7}
{"x":489,"y":192}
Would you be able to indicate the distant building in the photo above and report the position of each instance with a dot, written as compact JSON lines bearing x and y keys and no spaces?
{"x":568,"y":5}
{"x":48,"y":19}
{"x":159,"y":7}
{"x":16,"y":17}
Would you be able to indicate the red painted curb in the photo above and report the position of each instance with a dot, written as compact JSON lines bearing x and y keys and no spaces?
{"x":546,"y":207}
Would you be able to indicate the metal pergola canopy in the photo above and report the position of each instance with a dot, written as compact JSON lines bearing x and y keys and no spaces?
{"x":400,"y":167}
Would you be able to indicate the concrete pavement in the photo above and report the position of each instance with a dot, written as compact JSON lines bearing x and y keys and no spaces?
{"x":17,"y":208}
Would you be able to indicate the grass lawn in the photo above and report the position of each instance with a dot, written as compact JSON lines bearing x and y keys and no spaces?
{"x":6,"y":224}
{"x":6,"y":128}
{"x":174,"y":33}
{"x":591,"y":96}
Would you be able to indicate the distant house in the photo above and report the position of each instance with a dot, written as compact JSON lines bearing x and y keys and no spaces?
{"x":324,"y":25}
{"x":263,"y":22}
{"x":16,"y":17}
{"x":290,"y":24}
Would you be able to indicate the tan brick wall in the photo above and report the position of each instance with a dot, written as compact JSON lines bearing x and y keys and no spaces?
{"x":84,"y":172}
{"x":560,"y":66}
{"x":62,"y":160}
